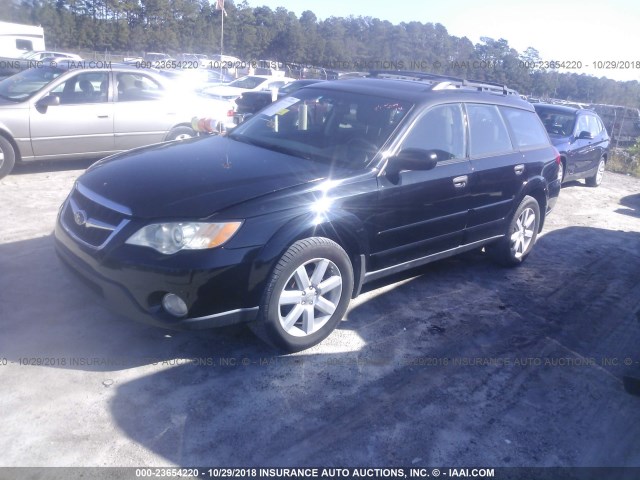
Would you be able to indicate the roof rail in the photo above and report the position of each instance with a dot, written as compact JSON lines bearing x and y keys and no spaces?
{"x":443,"y":82}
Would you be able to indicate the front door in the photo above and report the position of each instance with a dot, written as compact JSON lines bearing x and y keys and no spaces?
{"x":425,"y":211}
{"x":82,"y":125}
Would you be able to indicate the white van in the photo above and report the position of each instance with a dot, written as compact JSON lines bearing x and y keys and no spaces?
{"x":16,"y":39}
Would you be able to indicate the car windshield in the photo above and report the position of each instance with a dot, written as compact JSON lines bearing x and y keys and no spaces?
{"x":341,"y":128}
{"x":556,"y":122}
{"x":247,"y":82}
{"x":27,"y":83}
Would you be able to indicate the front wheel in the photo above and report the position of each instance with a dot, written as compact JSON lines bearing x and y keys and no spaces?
{"x":521,"y":235}
{"x":596,"y":179}
{"x":307,"y":295}
{"x":7,"y":157}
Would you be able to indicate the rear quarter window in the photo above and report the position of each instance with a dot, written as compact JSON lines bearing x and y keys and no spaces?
{"x":526,"y":128}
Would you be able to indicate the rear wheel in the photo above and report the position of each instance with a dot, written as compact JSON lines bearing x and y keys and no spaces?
{"x":7,"y":157}
{"x":181,"y":133}
{"x":307,"y":295}
{"x":521,"y":235}
{"x":596,"y":179}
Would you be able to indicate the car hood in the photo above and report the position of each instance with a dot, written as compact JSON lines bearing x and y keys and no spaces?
{"x":196,"y":178}
{"x":4,"y":101}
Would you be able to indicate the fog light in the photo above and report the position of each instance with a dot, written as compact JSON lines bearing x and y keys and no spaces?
{"x":173,"y":304}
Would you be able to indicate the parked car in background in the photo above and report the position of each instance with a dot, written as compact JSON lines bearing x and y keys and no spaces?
{"x":156,"y":56}
{"x":47,"y":54}
{"x":251,"y":102}
{"x":580,"y":137}
{"x":64,"y":112}
{"x":228,"y":64}
{"x":247,"y":83}
{"x":282,"y":221}
{"x":11,"y":66}
{"x":196,"y":78}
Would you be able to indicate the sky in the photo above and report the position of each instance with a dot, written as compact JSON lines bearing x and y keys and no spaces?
{"x":584,"y":31}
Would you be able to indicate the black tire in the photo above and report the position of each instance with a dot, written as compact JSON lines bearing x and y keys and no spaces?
{"x":7,"y":157}
{"x":181,"y":133}
{"x":596,"y":179}
{"x":284,"y":319}
{"x":521,"y":235}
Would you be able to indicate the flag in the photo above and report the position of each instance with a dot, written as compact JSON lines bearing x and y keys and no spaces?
{"x":220,"y":6}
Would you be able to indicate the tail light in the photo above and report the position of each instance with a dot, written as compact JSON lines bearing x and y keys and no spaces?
{"x":558,"y":158}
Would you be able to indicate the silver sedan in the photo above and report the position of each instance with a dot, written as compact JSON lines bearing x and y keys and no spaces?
{"x":65,"y":112}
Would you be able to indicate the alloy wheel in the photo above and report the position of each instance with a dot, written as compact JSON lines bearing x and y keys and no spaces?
{"x":310,"y":297}
{"x":523,"y":233}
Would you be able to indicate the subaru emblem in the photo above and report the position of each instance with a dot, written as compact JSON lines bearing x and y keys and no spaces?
{"x":80,"y":217}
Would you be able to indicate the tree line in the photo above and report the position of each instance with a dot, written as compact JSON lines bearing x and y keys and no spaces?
{"x":252,"y":33}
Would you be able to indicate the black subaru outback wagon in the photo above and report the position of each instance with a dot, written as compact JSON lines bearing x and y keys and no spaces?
{"x":280,"y":222}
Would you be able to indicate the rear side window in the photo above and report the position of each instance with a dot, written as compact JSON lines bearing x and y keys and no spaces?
{"x":526,"y":128}
{"x":487,"y":131}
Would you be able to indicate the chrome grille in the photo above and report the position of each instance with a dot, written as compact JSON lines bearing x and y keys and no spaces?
{"x":92,"y":219}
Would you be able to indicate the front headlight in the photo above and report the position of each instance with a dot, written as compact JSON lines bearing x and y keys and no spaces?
{"x":170,"y":238}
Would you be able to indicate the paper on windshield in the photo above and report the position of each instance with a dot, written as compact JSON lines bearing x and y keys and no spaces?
{"x":280,"y":107}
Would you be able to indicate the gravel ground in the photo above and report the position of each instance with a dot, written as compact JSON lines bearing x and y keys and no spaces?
{"x":460,"y":363}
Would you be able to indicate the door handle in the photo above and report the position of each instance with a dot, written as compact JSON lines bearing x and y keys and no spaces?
{"x":460,"y":182}
{"x":103,"y":116}
{"x":518,"y":169}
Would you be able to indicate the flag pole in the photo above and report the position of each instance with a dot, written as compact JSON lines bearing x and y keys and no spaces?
{"x":222,"y":30}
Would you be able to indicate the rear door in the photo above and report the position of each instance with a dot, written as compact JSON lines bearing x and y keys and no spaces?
{"x":143,"y":114}
{"x":499,"y":171}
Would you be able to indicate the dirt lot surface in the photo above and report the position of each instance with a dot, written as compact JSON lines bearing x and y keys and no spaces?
{"x":461,"y":363}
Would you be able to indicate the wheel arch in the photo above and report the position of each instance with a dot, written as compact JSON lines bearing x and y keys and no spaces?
{"x":343,"y":228}
{"x":9,"y":138}
{"x":536,"y":188}
{"x":179,"y":125}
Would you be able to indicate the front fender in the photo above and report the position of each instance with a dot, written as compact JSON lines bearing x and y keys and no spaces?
{"x":340,"y":226}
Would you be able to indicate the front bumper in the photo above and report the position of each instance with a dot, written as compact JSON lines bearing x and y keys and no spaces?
{"x":214,"y":294}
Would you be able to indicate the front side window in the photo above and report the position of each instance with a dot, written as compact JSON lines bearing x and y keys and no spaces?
{"x":342,"y":128}
{"x":594,"y":126}
{"x":440,"y":129}
{"x":87,"y":87}
{"x":487,"y":132}
{"x":582,"y":125}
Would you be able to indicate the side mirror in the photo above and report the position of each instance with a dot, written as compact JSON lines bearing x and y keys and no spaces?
{"x":48,"y":101}
{"x":415,"y":159}
{"x":584,"y":135}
